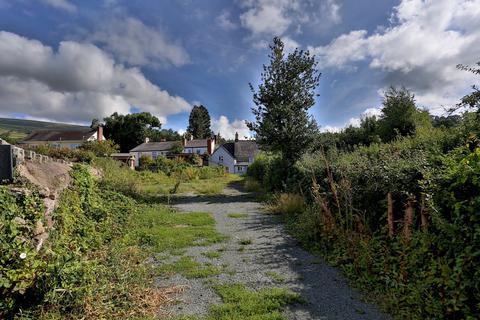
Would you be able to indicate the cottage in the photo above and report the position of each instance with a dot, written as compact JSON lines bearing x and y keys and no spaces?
{"x":166,"y":148}
{"x":236,"y":156}
{"x":70,"y":139}
{"x":199,"y":146}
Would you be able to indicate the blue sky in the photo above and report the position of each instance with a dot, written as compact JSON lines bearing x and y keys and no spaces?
{"x":70,"y":61}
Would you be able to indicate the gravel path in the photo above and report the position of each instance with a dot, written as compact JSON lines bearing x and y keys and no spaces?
{"x":271,"y":250}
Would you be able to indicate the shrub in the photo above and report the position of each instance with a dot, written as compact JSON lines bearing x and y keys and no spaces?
{"x":100,"y":148}
{"x":286,"y":203}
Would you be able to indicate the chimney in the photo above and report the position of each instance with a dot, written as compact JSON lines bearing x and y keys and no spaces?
{"x":191,"y":137}
{"x":100,"y":133}
{"x":147,"y":139}
{"x":210,"y":145}
{"x":163,"y":140}
{"x":236,"y":136}
{"x":184,"y":140}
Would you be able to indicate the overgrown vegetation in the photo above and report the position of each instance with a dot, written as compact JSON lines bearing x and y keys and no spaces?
{"x":395,"y":203}
{"x":94,"y":264}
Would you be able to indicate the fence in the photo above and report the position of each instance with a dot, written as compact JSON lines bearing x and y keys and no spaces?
{"x":19,"y":155}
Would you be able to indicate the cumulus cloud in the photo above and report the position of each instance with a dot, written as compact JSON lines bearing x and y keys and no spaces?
{"x":420,"y":49}
{"x":131,"y":41}
{"x":354,"y":121}
{"x":224,"y":21}
{"x":61,"y":4}
{"x":77,"y":82}
{"x":227,"y":129}
{"x":266,"y":18}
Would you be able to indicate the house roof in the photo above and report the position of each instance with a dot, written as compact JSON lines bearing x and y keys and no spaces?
{"x":155,"y":146}
{"x":58,"y":135}
{"x":196,"y":143}
{"x":241,"y":148}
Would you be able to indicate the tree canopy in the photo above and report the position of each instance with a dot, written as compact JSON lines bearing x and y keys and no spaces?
{"x":398,"y":114}
{"x":199,"y":123}
{"x":282,"y":123}
{"x":130,"y":130}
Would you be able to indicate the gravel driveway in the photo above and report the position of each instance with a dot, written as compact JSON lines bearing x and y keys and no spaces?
{"x":271,"y":251}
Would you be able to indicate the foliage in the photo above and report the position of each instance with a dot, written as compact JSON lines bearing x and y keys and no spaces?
{"x":128,"y":131}
{"x":240,"y":303}
{"x":286,"y":203}
{"x":100,"y":148}
{"x":74,"y":155}
{"x":19,"y":261}
{"x":199,"y":123}
{"x":427,"y":269}
{"x":398,"y":114}
{"x":471,"y":100}
{"x":282,"y":123}
{"x":177,"y":147}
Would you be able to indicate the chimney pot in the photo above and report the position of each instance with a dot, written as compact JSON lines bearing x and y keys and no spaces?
{"x":236,"y":136}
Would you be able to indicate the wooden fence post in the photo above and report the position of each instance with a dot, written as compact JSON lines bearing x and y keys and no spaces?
{"x":423,"y":213}
{"x":391,"y":227}
{"x":408,"y":221}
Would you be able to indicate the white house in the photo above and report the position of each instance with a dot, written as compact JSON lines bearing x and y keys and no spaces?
{"x":164,"y":148}
{"x":236,"y":156}
{"x":199,"y":146}
{"x":71,"y":139}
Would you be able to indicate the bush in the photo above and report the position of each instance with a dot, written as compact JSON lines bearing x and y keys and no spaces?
{"x":286,"y":203}
{"x":100,"y":148}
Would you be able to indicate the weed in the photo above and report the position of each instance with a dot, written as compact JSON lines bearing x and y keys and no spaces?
{"x":286,"y":203}
{"x":212,"y":254}
{"x":237,"y":215}
{"x":240,"y":303}
{"x":275,"y":276}
{"x":245,"y":242}
{"x":189,"y":268}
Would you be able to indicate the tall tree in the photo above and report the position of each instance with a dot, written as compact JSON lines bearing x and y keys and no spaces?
{"x":471,"y":100}
{"x":398,"y":114}
{"x":130,"y":130}
{"x":282,"y":123}
{"x":199,"y":123}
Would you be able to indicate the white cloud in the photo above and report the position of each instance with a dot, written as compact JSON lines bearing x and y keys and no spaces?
{"x":354,"y":121}
{"x":227,"y":129}
{"x":76,"y":83}
{"x":267,"y":18}
{"x":421,"y":48}
{"x":61,"y":4}
{"x":289,"y":44}
{"x":224,"y":21}
{"x":131,"y":41}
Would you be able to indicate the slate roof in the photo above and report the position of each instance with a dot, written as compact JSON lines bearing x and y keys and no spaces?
{"x":241,"y":149}
{"x":155,"y":146}
{"x":58,"y":135}
{"x":196,"y":143}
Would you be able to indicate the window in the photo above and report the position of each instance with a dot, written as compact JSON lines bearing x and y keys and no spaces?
{"x":240,"y":168}
{"x":198,"y":151}
{"x":155,"y":154}
{"x":220,"y":158}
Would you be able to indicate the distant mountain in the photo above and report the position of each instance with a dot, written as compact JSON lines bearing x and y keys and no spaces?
{"x":19,"y":128}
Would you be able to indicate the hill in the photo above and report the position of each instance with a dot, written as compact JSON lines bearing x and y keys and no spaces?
{"x":18,"y":128}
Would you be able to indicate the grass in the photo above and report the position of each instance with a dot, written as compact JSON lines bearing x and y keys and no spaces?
{"x":240,"y":303}
{"x":189,"y":268}
{"x":237,"y":215}
{"x":212,"y":254}
{"x":245,"y":242}
{"x":275,"y":276}
{"x":154,"y":183}
{"x":286,"y":203}
{"x":165,"y":230}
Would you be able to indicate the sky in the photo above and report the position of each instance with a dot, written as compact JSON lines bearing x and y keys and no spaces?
{"x":71,"y":60}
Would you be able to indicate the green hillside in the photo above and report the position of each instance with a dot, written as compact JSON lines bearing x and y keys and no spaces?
{"x":18,"y":128}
